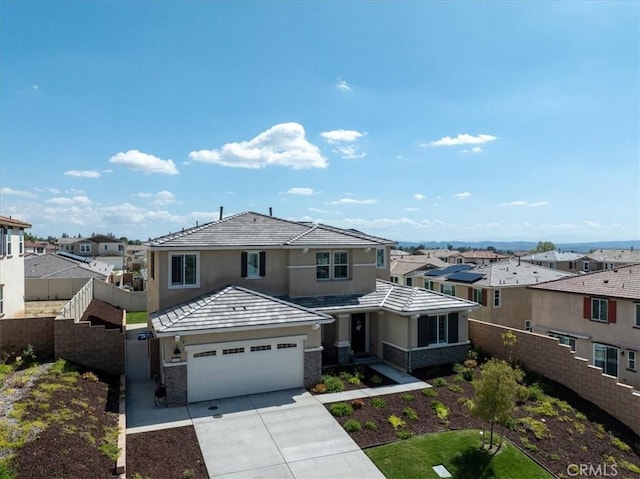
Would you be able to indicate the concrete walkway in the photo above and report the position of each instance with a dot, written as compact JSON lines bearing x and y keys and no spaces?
{"x":284,"y":434}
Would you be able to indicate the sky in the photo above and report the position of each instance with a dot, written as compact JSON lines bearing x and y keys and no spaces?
{"x":411,"y":120}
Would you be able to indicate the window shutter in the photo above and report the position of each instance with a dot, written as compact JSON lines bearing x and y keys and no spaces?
{"x":586,"y":301}
{"x":263,"y":263}
{"x":484,"y":297}
{"x":612,"y":311}
{"x":432,"y":333}
{"x":423,"y":331}
{"x":243,"y":264}
{"x":453,"y":328}
{"x":470,"y":295}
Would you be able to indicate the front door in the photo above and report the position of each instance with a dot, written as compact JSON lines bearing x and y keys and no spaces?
{"x":358,"y":333}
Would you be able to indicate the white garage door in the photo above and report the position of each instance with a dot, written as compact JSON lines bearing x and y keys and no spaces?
{"x":220,"y":370}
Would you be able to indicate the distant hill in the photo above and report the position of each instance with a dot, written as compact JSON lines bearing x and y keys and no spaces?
{"x":525,"y":245}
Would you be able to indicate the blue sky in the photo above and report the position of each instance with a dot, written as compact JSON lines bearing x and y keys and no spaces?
{"x":414,"y":121}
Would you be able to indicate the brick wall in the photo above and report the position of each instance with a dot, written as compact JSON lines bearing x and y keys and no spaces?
{"x":91,"y":346}
{"x":17,"y":334}
{"x":545,"y":356}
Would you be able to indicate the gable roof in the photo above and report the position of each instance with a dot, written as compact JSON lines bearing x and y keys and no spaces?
{"x":554,"y":256}
{"x":229,"y":308}
{"x":623,"y":282}
{"x":405,"y":300}
{"x":504,"y":274}
{"x":251,"y":229}
{"x":104,"y":239}
{"x":626,"y":256}
{"x":13,"y":223}
{"x":64,"y":266}
{"x":479,"y":254}
{"x":408,"y":264}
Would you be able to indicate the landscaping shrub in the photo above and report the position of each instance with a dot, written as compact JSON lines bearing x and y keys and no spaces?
{"x":333,"y":384}
{"x":378,"y":403}
{"x":404,"y":434}
{"x":352,"y":425}
{"x":535,"y":392}
{"x":370,"y":425}
{"x":470,"y":363}
{"x":623,"y":446}
{"x":376,"y":379}
{"x":439,"y":382}
{"x":454,"y":388}
{"x":396,"y":422}
{"x":538,"y":428}
{"x":359,"y":373}
{"x":429,"y":393}
{"x":441,"y":411}
{"x":410,"y":413}
{"x":90,"y":376}
{"x":357,"y":403}
{"x":345,"y":375}
{"x":407,"y":397}
{"x":355,"y":380}
{"x":320,"y":388}
{"x":341,"y":409}
{"x":544,"y":408}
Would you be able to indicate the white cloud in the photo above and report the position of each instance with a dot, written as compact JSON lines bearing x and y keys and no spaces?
{"x":76,"y":201}
{"x":352,"y":201}
{"x":83,"y":173}
{"x":12,"y":192}
{"x":342,"y":84}
{"x":283,"y":144}
{"x":475,"y":149}
{"x":350,"y":152}
{"x":318,"y":210}
{"x":419,"y":197}
{"x":335,"y":136}
{"x":69,"y":191}
{"x":411,"y":209}
{"x":107,"y":171}
{"x":158,"y":199}
{"x":525,"y":203}
{"x":463,"y":196}
{"x":462,"y":139}
{"x":300,"y":191}
{"x":139,"y":161}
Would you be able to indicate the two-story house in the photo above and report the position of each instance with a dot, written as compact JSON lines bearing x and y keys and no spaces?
{"x":252,"y":303}
{"x":405,"y":269}
{"x":598,"y":316}
{"x":561,"y":260}
{"x":96,"y":245}
{"x":501,"y":288}
{"x":11,"y":266}
{"x":613,"y":258}
{"x":476,"y":257}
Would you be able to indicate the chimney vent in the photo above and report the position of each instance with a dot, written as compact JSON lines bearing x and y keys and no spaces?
{"x":221,"y":210}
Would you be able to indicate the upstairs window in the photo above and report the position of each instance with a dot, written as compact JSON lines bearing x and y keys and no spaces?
{"x":184,"y":270}
{"x":599,"y":309}
{"x":381,"y":258}
{"x":253,"y":264}
{"x":637,"y":318}
{"x":21,"y":242}
{"x":478,"y":295}
{"x":408,"y":281}
{"x":332,"y":265}
{"x":3,"y":241}
{"x":585,"y":266}
{"x":497,"y":298}
{"x":449,"y":289}
{"x":631,"y":360}
{"x":8,"y":236}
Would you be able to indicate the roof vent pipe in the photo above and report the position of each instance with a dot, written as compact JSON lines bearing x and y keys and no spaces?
{"x":221,"y":210}
{"x":270,"y":211}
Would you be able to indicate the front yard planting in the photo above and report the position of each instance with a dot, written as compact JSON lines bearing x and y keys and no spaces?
{"x":347,"y":378}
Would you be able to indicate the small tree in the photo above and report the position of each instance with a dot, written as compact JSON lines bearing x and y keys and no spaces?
{"x":543,"y":246}
{"x":509,"y":340}
{"x":495,"y":397}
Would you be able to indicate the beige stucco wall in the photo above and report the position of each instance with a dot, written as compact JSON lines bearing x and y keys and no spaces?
{"x":563,"y":312}
{"x":394,"y":329}
{"x":168,"y":344}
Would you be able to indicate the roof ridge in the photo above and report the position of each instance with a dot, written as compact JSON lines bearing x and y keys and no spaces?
{"x":303,"y":234}
{"x":183,"y":232}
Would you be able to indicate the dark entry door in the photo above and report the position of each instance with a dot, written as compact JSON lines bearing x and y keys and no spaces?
{"x":358,"y":333}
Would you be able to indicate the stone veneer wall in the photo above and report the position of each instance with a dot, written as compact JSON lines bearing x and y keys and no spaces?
{"x":91,"y":346}
{"x":545,"y":356}
{"x":395,"y":356}
{"x":421,"y":358}
{"x":17,"y":333}
{"x":175,"y":380}
{"x":312,"y":368}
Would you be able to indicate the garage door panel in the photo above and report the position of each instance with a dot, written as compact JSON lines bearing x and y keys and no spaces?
{"x":246,"y":368}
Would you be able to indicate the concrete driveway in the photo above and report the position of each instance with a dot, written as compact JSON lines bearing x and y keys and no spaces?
{"x":284,"y":435}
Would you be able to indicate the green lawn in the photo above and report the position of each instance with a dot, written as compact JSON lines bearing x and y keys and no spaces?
{"x":459,"y":452}
{"x":137,"y":317}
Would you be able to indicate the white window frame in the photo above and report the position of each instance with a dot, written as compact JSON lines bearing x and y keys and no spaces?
{"x":8,"y":247}
{"x":497,"y":298}
{"x":631,"y":360}
{"x":85,"y":248}
{"x":449,"y":287}
{"x":408,"y":281}
{"x":585,"y":266}
{"x":329,"y":267}
{"x":636,"y":323}
{"x":477,"y":295}
{"x":602,"y":311}
{"x":250,"y":267}
{"x":527,"y":325}
{"x":603,"y":364}
{"x":183,"y":284}
{"x":381,"y":258}
{"x":442,"y":329}
{"x":567,"y":340}
{"x":21,"y":242}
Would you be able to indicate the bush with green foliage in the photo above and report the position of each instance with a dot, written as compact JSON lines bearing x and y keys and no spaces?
{"x":372,"y":426}
{"x":376,"y":379}
{"x":396,"y":422}
{"x":352,"y":425}
{"x":334,"y":384}
{"x":538,"y":428}
{"x":429,"y":393}
{"x":404,"y":434}
{"x":355,"y":380}
{"x":378,"y":402}
{"x":455,"y":388}
{"x":407,"y":397}
{"x":535,"y":392}
{"x":440,"y":410}
{"x":341,"y":409}
{"x":410,"y":413}
{"x":439,"y":382}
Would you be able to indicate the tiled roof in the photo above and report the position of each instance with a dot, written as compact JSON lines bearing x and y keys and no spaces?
{"x":233,"y":307}
{"x":480,"y":254}
{"x":408,"y":264}
{"x":512,"y":273}
{"x":438,"y":253}
{"x":253,"y":229}
{"x":626,"y":256}
{"x":12,"y":222}
{"x":622,"y":282}
{"x":387,"y":296}
{"x":57,"y":266}
{"x":553,"y":256}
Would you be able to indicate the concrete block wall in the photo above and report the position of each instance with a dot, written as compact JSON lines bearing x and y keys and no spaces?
{"x":91,"y":346}
{"x":545,"y":356}
{"x":17,"y":334}
{"x":312,"y":368}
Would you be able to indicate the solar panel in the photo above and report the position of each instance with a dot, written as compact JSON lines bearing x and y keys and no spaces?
{"x":84,"y":259}
{"x":465,"y":277}
{"x":454,"y":268}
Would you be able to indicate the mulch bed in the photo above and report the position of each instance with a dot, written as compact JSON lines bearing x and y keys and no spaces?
{"x":565,"y":445}
{"x":68,"y":447}
{"x":361,"y":368}
{"x":164,"y":454}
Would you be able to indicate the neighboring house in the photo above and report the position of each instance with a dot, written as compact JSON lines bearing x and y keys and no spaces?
{"x":38,"y":247}
{"x":97,"y":245}
{"x":598,"y":316}
{"x":253,"y":303}
{"x":442,"y":254}
{"x":614,"y":258}
{"x":405,"y":269}
{"x":12,"y":266}
{"x":476,"y":257}
{"x":501,"y":289}
{"x":563,"y":261}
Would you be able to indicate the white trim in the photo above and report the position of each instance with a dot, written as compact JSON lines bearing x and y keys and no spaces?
{"x":195,"y":348}
{"x":342,"y":344}
{"x":164,"y":334}
{"x":171,"y":365}
{"x":421,"y":348}
{"x":314,"y":350}
{"x":568,"y":333}
{"x":169,"y":271}
{"x":364,"y":264}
